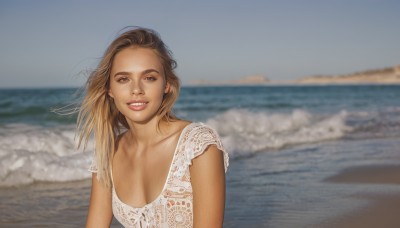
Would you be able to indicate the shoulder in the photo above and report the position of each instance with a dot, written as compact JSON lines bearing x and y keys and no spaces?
{"x":202,"y":133}
{"x":200,"y":139}
{"x":207,"y":178}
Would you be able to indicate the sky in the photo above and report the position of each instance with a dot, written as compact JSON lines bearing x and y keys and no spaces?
{"x":47,"y":43}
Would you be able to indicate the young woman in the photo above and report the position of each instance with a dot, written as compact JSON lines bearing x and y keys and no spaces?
{"x":150,"y":168}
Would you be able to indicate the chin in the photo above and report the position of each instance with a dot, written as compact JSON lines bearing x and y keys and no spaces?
{"x":141,"y":119}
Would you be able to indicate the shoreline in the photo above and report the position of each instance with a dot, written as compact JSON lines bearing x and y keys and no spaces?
{"x":382,"y":209}
{"x":277,"y":84}
{"x":369,"y":174}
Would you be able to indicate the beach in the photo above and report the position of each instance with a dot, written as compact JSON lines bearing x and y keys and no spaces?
{"x":309,"y":197}
{"x":382,"y":209}
{"x":300,"y":156}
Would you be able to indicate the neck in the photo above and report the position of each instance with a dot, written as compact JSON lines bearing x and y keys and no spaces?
{"x":146,"y":133}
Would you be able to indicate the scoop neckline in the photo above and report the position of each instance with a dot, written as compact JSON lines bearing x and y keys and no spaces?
{"x":166,"y":180}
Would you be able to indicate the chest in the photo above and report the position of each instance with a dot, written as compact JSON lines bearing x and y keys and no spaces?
{"x":172,"y":208}
{"x":139,"y":180}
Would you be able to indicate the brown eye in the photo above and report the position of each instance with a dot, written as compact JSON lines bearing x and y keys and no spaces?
{"x":150,"y":78}
{"x":122,"y":79}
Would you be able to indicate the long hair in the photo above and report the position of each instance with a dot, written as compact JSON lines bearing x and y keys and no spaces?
{"x":98,"y":115}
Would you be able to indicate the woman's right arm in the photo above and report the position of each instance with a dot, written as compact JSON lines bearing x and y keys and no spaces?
{"x":100,"y":208}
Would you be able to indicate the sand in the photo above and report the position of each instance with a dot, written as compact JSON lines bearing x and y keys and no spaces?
{"x":383,"y":209}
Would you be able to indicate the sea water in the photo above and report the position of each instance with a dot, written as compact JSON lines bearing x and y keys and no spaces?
{"x":282,"y":140}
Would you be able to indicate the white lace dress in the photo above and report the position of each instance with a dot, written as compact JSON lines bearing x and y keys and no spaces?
{"x":174,"y":206}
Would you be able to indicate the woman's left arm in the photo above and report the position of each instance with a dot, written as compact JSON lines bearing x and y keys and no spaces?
{"x":207,"y":175}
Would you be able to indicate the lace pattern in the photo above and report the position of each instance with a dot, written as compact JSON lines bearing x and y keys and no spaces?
{"x":196,"y":142}
{"x":174,"y":206}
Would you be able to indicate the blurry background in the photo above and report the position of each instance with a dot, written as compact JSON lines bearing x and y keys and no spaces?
{"x":48,"y":43}
{"x":284,"y":140}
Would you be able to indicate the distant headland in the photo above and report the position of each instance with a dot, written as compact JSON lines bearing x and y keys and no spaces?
{"x":389,"y":75}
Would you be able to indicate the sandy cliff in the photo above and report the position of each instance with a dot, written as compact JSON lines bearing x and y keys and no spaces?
{"x":385,"y":76}
{"x":389,"y":75}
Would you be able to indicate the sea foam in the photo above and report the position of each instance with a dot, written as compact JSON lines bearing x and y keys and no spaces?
{"x":31,"y":153}
{"x":244,"y":132}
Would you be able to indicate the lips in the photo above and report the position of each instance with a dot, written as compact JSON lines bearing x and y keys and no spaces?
{"x":137,"y":105}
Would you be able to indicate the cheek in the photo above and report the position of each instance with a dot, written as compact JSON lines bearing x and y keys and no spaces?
{"x":117,"y":91}
{"x":159,"y":94}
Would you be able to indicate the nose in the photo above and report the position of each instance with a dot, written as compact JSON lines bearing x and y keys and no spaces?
{"x":137,"y":88}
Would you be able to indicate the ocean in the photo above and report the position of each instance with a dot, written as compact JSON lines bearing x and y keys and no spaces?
{"x":283,"y":141}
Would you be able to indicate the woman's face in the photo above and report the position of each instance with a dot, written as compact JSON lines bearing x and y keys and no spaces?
{"x":137,"y":84}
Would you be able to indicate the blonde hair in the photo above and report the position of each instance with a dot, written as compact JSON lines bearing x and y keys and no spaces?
{"x":98,"y":116}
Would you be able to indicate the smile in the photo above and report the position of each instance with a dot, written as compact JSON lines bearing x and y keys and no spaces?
{"x":138,"y":103}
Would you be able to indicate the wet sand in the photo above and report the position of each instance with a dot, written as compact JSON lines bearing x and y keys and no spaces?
{"x":382,"y":210}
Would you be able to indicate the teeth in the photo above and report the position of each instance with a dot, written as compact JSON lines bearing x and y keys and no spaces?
{"x":137,"y":104}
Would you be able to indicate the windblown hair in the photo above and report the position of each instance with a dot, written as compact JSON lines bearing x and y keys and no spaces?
{"x":98,"y":115}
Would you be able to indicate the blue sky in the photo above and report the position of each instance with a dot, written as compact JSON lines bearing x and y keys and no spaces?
{"x":51,"y":43}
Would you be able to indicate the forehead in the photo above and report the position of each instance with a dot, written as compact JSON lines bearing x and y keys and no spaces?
{"x":136,"y":59}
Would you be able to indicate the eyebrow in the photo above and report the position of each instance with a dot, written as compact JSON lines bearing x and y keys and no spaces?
{"x":129,"y":73}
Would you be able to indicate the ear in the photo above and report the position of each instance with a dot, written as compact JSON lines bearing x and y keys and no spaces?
{"x":167,"y":87}
{"x":110,"y":93}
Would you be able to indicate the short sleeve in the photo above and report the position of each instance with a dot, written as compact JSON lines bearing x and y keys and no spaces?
{"x":199,"y":138}
{"x":93,"y":165}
